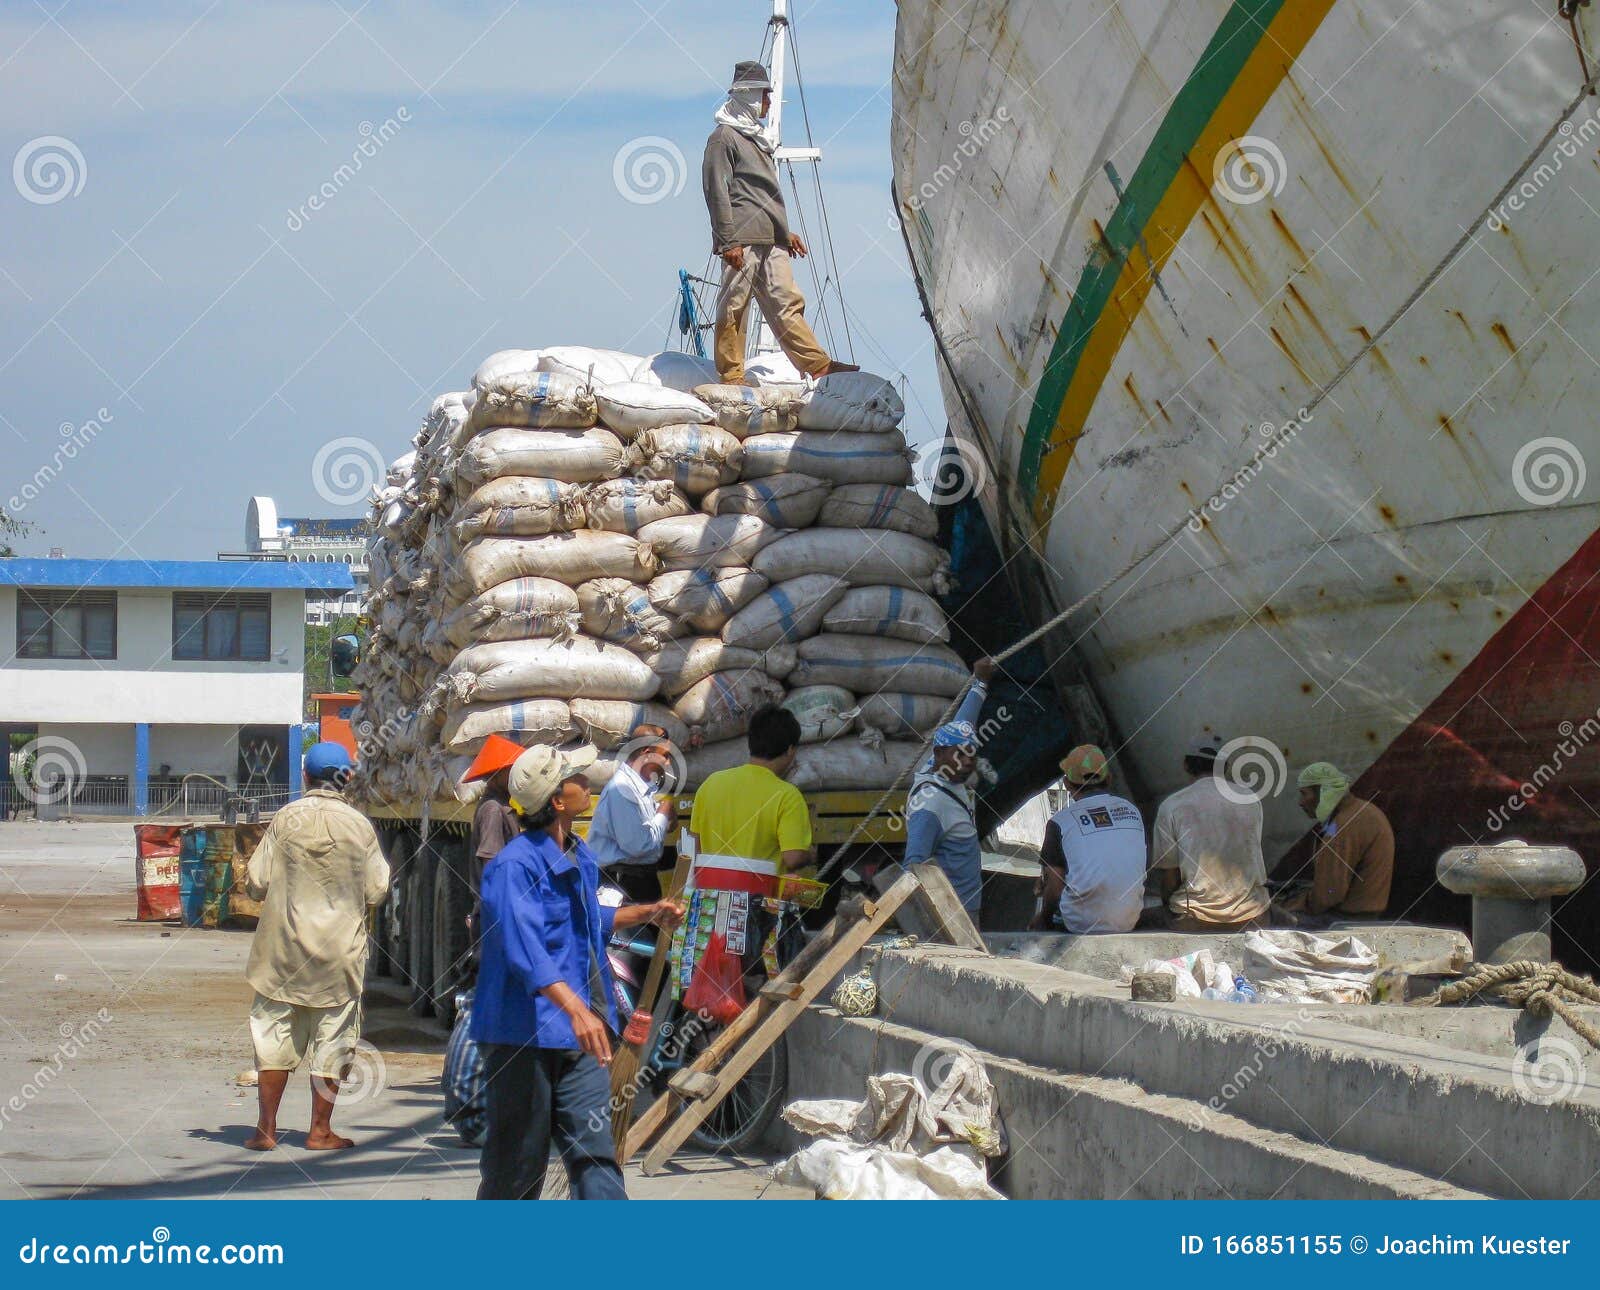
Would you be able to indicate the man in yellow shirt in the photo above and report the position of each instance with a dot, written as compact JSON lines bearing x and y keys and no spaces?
{"x":749,"y":819}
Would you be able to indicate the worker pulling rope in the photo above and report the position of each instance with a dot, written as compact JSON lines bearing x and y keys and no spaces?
{"x":1542,"y":990}
{"x":1280,"y":436}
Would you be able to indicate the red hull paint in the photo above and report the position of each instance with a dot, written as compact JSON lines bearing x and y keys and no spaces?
{"x":1519,"y":706}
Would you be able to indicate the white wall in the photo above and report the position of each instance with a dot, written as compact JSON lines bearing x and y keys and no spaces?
{"x":145,"y":683}
{"x":106,"y":749}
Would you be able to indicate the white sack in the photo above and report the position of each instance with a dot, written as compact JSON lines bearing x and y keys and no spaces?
{"x":706,"y":598}
{"x":775,"y":372}
{"x":615,"y":609}
{"x":576,"y":669}
{"x":707,"y":541}
{"x":786,"y":611}
{"x":519,"y":506}
{"x":681,"y":663}
{"x":784,"y":501}
{"x":823,"y":711}
{"x":627,"y":505}
{"x":527,"y":721}
{"x":590,"y":366}
{"x":1298,"y":967}
{"x":838,"y":1170}
{"x":743,"y":410}
{"x":841,"y":457}
{"x":720,"y":706}
{"x":851,"y":401}
{"x":889,"y":611}
{"x":848,"y":763}
{"x":863,"y":557}
{"x":575,"y":456}
{"x":505,"y":364}
{"x":697,"y":458}
{"x":567,"y":557}
{"x":707,"y":759}
{"x":516,"y":609}
{"x":866,"y":664}
{"x":676,"y":371}
{"x":609,"y":723}
{"x":631,"y":406}
{"x":542,"y":400}
{"x":880,"y":506}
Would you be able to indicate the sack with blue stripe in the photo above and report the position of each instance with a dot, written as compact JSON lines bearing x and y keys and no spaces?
{"x":785,"y":612}
{"x":783,"y":501}
{"x":865,"y":664}
{"x":863,"y":557}
{"x":540,"y":400}
{"x":889,"y":611}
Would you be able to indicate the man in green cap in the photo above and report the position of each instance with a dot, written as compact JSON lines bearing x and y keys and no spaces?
{"x":1353,"y":863}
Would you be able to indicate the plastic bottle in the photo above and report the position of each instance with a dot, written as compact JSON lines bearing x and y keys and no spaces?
{"x":1245,"y":991}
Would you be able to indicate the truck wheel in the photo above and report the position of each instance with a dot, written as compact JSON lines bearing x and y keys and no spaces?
{"x":396,"y":959}
{"x":452,"y":902}
{"x":419,"y":930}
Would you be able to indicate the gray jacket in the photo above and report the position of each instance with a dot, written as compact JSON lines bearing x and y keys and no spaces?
{"x":741,"y":184}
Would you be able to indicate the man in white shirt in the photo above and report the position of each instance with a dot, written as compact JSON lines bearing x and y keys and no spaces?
{"x":629,"y":828}
{"x":1207,"y":847}
{"x":1093,"y":852}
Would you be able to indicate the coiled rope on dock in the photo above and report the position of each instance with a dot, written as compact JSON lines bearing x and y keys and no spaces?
{"x":1542,"y":990}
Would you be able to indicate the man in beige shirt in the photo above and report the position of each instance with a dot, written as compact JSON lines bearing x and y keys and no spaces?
{"x":318,"y":869}
{"x":1206,"y":847}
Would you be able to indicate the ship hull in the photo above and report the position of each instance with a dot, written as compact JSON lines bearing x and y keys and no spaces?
{"x":1150,"y":232}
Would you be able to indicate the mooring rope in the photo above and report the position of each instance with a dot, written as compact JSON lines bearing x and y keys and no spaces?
{"x":1541,"y":989}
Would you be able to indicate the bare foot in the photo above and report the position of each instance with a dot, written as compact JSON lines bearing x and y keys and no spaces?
{"x":841,"y":367}
{"x":263,"y":1140}
{"x":327,"y":1142}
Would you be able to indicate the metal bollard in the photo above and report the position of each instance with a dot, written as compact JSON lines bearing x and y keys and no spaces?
{"x":1511,"y":884}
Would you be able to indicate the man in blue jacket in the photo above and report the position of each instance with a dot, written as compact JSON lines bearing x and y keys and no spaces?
{"x":544,"y":1008}
{"x":941,"y":808}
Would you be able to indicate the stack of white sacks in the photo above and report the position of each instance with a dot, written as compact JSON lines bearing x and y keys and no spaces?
{"x":587,"y":540}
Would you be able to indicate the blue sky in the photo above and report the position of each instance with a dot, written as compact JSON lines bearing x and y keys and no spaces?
{"x":226,"y":345}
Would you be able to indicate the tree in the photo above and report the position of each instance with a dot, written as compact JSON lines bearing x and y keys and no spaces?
{"x":317,"y":676}
{"x":11,"y":527}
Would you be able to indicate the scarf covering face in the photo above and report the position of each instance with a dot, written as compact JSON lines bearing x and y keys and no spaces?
{"x":740,"y":112}
{"x":1331,"y":786}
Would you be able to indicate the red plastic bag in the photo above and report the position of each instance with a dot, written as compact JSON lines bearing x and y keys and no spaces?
{"x":717,"y":990}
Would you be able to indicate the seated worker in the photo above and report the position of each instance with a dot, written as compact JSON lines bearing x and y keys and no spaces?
{"x":1093,"y":855}
{"x":629,"y":829}
{"x":941,"y":808}
{"x":1207,"y":848}
{"x":1354,"y":859}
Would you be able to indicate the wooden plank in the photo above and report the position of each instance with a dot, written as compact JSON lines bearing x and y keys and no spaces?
{"x":693,"y":1084}
{"x":655,"y":1115}
{"x":780,"y":992}
{"x":938,"y":901}
{"x":774,"y":1018}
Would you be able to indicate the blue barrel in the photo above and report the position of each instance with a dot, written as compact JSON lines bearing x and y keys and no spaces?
{"x":192,"y":876}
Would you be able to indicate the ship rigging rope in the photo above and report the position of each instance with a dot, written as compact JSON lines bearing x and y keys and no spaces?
{"x":1542,"y":990}
{"x":1280,"y":435}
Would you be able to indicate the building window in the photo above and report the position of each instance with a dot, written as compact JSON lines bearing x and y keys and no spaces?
{"x":66,"y":624}
{"x":208,"y":626}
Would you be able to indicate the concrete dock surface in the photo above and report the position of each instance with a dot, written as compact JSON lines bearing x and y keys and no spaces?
{"x":123,"y":1042}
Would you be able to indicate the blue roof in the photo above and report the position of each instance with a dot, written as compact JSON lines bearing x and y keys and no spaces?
{"x":179,"y":575}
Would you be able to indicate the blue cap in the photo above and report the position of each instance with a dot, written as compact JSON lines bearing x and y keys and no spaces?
{"x":955,"y":734}
{"x":325,"y":759}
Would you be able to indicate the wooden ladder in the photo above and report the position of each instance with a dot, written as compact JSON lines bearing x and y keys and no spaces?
{"x":694,"y":1092}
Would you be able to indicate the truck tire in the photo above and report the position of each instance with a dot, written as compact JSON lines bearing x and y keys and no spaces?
{"x":395,"y":957}
{"x":452,"y":902}
{"x":419,"y":930}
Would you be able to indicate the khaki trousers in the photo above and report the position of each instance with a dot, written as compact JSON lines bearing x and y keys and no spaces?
{"x":767,"y":276}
